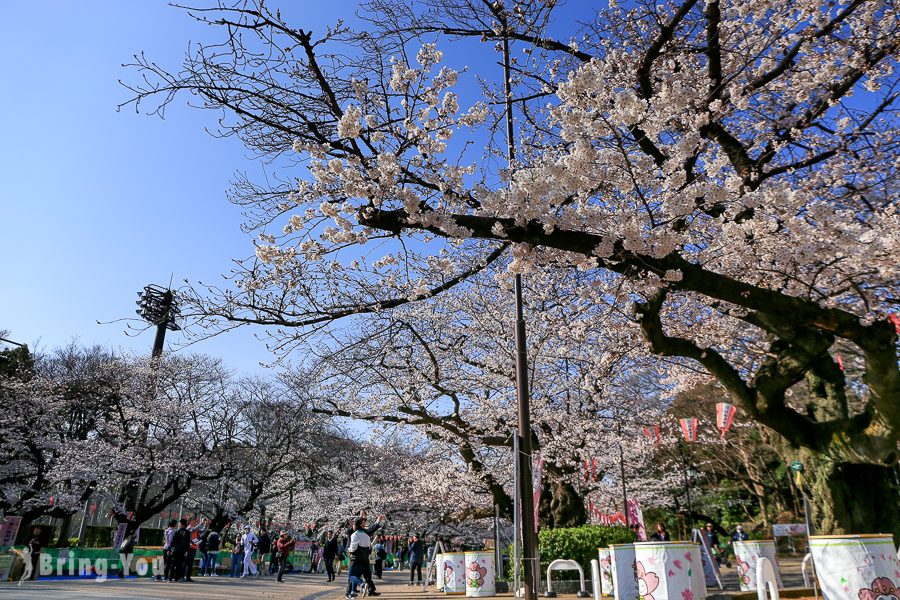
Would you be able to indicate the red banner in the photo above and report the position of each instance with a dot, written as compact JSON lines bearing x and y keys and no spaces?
{"x":689,"y":429}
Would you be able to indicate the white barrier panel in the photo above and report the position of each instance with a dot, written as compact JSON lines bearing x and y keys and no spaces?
{"x":765,"y":579}
{"x":480,"y":574}
{"x":804,"y":566}
{"x":624,"y":581}
{"x":439,"y":572}
{"x":454,"y":573}
{"x":669,"y":570}
{"x":747,"y":554}
{"x":606,"y":576}
{"x":595,"y":578}
{"x":862,"y":567}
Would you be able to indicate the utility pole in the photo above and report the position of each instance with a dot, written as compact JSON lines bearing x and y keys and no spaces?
{"x":523,"y":456}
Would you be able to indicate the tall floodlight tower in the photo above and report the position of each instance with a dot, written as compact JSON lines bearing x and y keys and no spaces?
{"x":158,"y":306}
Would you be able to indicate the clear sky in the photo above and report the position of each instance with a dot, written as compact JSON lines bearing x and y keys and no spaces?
{"x":95,"y":203}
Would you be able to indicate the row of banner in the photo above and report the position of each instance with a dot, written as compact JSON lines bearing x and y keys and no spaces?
{"x":690,"y":426}
{"x":725,"y":413}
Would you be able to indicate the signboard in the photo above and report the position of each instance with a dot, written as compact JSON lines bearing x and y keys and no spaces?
{"x":710,"y":566}
{"x":788,"y":529}
{"x":9,"y":530}
{"x":7,"y":560}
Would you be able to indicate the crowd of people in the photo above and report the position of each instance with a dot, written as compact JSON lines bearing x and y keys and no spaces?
{"x":253,"y":554}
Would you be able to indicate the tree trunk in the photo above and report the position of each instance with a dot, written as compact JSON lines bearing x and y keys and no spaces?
{"x":847,"y":498}
{"x":561,"y":505}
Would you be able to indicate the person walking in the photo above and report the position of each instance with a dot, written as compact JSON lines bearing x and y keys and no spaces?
{"x":283,"y":547}
{"x":251,"y":542}
{"x":126,"y":549}
{"x":203,"y":551}
{"x":237,"y":555}
{"x":712,"y":540}
{"x":34,"y":550}
{"x":212,"y":553}
{"x":380,"y":554}
{"x":168,"y":559}
{"x":416,"y":557}
{"x":329,"y":553}
{"x":363,"y":536}
{"x":273,"y":558}
{"x":341,"y":554}
{"x":181,"y":543}
{"x":359,"y":550}
{"x":660,"y":535}
{"x":265,"y":546}
{"x":402,"y":556}
{"x":194,"y":534}
{"x":739,"y":535}
{"x":313,"y":555}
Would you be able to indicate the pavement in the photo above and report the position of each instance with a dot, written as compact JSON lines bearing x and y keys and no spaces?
{"x":295,"y":587}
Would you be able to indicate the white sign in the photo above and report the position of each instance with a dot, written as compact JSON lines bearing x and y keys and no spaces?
{"x":788,"y":529}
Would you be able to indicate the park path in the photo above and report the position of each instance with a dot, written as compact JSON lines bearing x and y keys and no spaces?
{"x":296,"y":587}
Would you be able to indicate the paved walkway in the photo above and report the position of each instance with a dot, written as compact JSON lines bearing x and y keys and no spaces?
{"x":296,"y":587}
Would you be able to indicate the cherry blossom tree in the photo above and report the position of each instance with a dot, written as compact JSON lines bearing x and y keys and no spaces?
{"x":447,"y":368}
{"x":728,"y":167}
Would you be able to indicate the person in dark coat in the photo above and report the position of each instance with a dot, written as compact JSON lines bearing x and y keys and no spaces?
{"x":34,"y":547}
{"x":265,"y":545}
{"x":660,"y":535}
{"x":416,"y":557}
{"x":181,"y":545}
{"x":330,"y":553}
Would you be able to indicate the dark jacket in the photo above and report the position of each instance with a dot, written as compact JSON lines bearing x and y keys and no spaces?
{"x":264,"y":543}
{"x":416,"y":552}
{"x":212,"y":542}
{"x":181,"y":541}
{"x":330,"y":548}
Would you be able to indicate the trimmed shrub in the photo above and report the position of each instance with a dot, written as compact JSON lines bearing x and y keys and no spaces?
{"x":579,"y":544}
{"x":574,"y":543}
{"x":99,"y":536}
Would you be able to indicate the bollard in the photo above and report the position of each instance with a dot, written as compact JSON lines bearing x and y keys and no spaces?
{"x":565,"y":565}
{"x":765,"y":580}
{"x":595,"y":578}
{"x":807,"y":562}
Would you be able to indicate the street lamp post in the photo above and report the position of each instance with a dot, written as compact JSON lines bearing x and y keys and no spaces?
{"x":523,"y":456}
{"x":689,"y":472}
{"x":622,"y":469}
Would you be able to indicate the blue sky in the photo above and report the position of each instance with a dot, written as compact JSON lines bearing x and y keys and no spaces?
{"x":95,"y":203}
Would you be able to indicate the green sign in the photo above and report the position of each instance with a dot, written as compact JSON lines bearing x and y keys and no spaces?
{"x":796,"y":466}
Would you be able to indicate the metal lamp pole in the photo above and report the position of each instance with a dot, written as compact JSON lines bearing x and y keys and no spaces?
{"x":622,"y":469}
{"x":523,"y":456}
{"x":687,"y":489}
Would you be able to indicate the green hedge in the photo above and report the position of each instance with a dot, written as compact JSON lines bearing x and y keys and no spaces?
{"x":98,"y":536}
{"x":579,"y":544}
